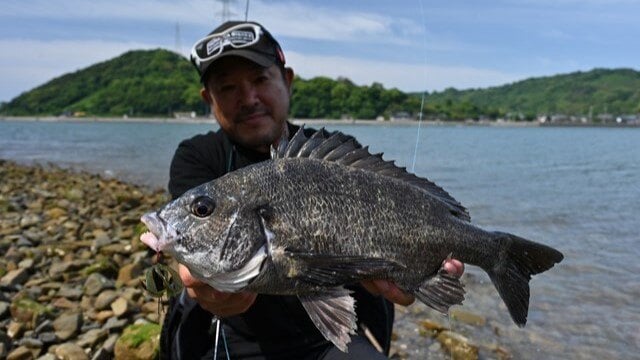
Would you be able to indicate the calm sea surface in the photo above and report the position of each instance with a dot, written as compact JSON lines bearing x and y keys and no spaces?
{"x":577,"y":189}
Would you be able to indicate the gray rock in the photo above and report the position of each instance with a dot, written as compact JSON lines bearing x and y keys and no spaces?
{"x":33,"y":236}
{"x":92,"y":337}
{"x":28,"y":220}
{"x":31,"y":343}
{"x":24,"y":242}
{"x":113,"y":324}
{"x":96,"y":283}
{"x":3,"y":351}
{"x":4,"y":309}
{"x":26,"y":263}
{"x":48,"y":338}
{"x":70,"y":292}
{"x":110,"y":343}
{"x":67,"y":325}
{"x":102,"y":354}
{"x":46,"y":325}
{"x":15,"y":277}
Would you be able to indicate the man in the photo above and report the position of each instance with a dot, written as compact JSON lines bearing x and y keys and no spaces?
{"x":248,"y":88}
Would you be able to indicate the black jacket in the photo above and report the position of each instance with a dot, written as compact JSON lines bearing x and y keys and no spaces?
{"x":275,"y":327}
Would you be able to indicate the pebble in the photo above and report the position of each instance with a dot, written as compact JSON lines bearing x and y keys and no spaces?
{"x":67,"y":325}
{"x":15,"y":277}
{"x":97,"y":282}
{"x":70,"y":351}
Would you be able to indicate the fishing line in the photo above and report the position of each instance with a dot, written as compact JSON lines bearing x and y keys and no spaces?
{"x":424,"y":46}
{"x":415,"y":150}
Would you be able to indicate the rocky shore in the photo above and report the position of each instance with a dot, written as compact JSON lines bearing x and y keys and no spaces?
{"x":70,"y":277}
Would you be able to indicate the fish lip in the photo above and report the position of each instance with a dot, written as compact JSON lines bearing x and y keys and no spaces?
{"x":160,"y":234}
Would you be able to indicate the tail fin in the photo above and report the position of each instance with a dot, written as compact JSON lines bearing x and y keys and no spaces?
{"x":518,"y":260}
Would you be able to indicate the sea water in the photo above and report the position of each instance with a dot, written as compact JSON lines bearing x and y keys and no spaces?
{"x":576,"y":189}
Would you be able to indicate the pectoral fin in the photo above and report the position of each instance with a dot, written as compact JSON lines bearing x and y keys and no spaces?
{"x":336,"y":270}
{"x":441,"y":291}
{"x":333,"y":314}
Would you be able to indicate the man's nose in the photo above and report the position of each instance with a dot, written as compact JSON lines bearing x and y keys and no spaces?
{"x":248,"y":94}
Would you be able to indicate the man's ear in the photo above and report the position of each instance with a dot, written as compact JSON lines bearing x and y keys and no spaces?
{"x":288,"y":77}
{"x":204,"y":94}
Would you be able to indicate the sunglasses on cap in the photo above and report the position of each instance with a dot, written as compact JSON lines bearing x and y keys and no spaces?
{"x":240,"y":36}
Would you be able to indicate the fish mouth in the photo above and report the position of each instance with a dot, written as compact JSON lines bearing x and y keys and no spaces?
{"x":160,"y":234}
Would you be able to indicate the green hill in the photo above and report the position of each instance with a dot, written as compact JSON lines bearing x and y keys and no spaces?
{"x":160,"y":82}
{"x":597,"y":91}
{"x":137,"y":83}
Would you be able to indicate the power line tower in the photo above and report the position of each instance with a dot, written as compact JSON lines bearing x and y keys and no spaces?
{"x":226,"y":13}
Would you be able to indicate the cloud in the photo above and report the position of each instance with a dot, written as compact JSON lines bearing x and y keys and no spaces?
{"x":25,"y":64}
{"x":406,"y":77}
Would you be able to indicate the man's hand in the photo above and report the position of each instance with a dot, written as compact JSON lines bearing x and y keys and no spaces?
{"x":216,"y":302}
{"x":393,"y":293}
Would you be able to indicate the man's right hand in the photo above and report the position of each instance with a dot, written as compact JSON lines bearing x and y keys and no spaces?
{"x":216,"y":302}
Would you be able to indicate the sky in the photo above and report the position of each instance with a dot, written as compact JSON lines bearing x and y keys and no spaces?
{"x":412,"y":45}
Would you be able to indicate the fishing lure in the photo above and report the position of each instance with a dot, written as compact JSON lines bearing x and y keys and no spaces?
{"x":160,"y":279}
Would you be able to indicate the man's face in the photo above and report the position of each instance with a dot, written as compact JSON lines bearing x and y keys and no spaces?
{"x":250,"y":102}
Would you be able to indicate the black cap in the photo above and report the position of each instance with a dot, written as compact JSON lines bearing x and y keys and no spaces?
{"x":265,"y":52}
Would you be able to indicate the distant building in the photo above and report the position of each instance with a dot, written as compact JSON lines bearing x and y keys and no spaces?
{"x":184,"y":115}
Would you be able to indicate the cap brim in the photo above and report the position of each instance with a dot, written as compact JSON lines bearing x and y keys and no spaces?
{"x":260,"y":59}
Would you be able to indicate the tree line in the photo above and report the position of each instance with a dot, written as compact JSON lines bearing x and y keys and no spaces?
{"x":160,"y":83}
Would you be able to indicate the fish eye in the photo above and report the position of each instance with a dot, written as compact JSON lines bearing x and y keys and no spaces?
{"x":202,"y":206}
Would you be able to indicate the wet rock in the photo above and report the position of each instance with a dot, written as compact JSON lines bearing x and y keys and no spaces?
{"x":139,"y":341}
{"x":467,"y":317}
{"x":70,"y":351}
{"x":67,"y":325}
{"x":458,"y":346}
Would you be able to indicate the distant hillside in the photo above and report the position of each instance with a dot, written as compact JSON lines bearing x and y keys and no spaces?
{"x":160,"y":82}
{"x":137,"y":83}
{"x":599,"y":91}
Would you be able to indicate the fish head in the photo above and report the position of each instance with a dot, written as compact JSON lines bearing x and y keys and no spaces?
{"x":216,"y":234}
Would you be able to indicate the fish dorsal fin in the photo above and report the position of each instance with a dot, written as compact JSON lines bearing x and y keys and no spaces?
{"x":345,"y":150}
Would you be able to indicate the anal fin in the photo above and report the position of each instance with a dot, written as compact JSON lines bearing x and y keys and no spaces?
{"x":333,"y":313}
{"x":441,"y":291}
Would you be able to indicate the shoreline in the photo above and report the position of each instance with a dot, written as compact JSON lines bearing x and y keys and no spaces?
{"x":323,"y":122}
